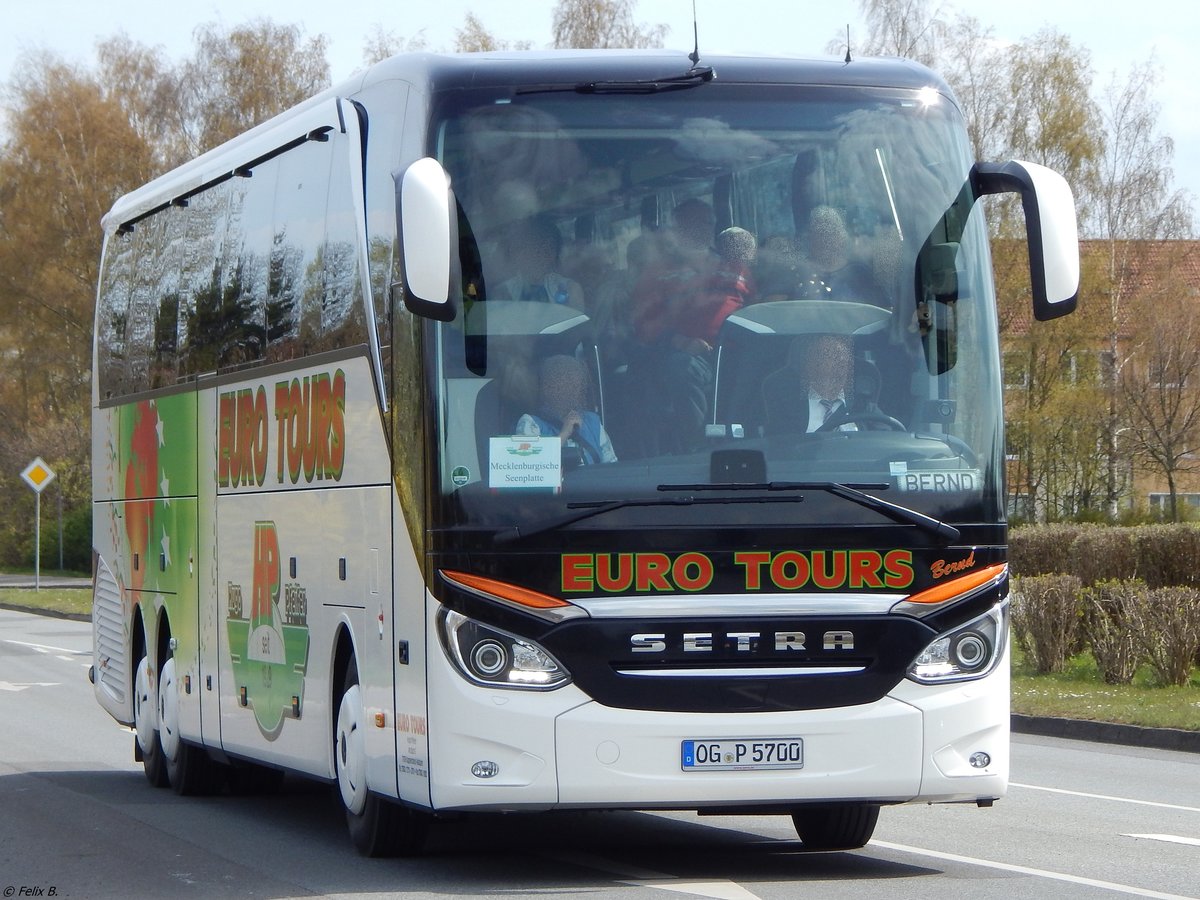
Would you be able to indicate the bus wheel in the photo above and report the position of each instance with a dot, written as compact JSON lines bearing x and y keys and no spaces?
{"x":189,"y":769}
{"x":378,"y":827}
{"x":844,"y":827}
{"x":145,"y":723}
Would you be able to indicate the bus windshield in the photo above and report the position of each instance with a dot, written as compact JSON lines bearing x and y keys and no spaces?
{"x":726,"y":292}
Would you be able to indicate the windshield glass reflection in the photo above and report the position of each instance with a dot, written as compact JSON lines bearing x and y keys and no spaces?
{"x":715,"y":287}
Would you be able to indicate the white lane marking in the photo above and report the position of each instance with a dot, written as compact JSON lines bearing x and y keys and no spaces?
{"x":1169,"y":838}
{"x":1028,"y":870}
{"x":718,"y":889}
{"x":21,"y":686}
{"x":1035,"y":787}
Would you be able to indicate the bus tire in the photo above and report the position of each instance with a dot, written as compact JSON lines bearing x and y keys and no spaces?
{"x":378,"y":826}
{"x":842,"y":827}
{"x":188,"y":767}
{"x":145,"y":724}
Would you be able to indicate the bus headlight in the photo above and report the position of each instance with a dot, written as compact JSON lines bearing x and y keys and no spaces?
{"x":969,"y":651}
{"x":495,"y":658}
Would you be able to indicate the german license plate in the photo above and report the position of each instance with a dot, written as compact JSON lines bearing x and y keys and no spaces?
{"x":729,"y":754}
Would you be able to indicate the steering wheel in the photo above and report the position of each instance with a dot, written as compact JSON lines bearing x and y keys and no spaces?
{"x":864,"y":417}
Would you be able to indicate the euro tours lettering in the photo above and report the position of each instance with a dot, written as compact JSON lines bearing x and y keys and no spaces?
{"x":310,"y":432}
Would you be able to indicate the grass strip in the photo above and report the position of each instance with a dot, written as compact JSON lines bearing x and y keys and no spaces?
{"x":59,"y":601}
{"x":1079,"y":692}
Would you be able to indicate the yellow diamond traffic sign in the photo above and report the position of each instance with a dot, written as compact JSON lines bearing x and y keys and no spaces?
{"x":37,"y":474}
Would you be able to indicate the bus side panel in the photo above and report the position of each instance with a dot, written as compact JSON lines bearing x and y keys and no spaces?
{"x":295,"y":566}
{"x":170,"y":578}
{"x":412,"y":713}
{"x":111,"y":610}
{"x":210,"y":595}
{"x":303,"y":549}
{"x":145,"y":454}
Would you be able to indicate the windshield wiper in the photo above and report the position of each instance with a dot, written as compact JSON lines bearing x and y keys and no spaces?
{"x":852,"y":492}
{"x":589,"y":508}
{"x":694,"y":76}
{"x":691,"y":78}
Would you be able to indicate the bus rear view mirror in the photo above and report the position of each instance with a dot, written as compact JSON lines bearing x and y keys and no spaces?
{"x":1050,"y":229}
{"x":427,"y":226}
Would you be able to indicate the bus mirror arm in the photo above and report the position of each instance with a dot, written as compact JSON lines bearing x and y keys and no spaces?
{"x":427,"y":227}
{"x":1050,"y":227}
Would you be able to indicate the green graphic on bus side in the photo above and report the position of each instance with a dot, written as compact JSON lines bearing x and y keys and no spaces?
{"x":269,"y":648}
{"x":150,"y":471}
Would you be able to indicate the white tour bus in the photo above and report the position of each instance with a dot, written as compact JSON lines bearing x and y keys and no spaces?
{"x":580,"y":430}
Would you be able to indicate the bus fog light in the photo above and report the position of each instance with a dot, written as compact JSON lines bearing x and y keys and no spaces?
{"x":485,"y":768}
{"x":980,"y":760}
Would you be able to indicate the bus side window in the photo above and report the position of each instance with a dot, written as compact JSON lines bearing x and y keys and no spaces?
{"x":153,"y":307}
{"x":244,"y":267}
{"x":200,"y":282}
{"x":342,"y":305}
{"x":298,"y":231}
{"x":114,"y":313}
{"x":164,"y":358}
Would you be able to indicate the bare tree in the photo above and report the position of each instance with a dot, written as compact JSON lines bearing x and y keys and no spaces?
{"x":76,"y":140}
{"x":1160,"y":392}
{"x":382,"y":43}
{"x":244,"y":76}
{"x":904,"y":28}
{"x":1133,"y":199}
{"x":70,"y":150}
{"x":144,"y":83}
{"x":1052,"y":118}
{"x":473,"y":37}
{"x":975,"y":72}
{"x":1131,"y":209}
{"x":602,"y":23}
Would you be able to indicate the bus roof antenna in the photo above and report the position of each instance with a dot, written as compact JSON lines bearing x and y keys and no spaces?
{"x":694,"y":56}
{"x":849,"y":59}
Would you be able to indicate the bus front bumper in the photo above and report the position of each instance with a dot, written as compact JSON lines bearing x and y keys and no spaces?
{"x":561,"y":750}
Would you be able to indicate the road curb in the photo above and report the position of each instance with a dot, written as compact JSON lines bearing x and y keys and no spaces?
{"x":1108,"y":733}
{"x":51,"y":613}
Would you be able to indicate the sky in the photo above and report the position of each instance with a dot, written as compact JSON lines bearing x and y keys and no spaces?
{"x":1166,"y":31}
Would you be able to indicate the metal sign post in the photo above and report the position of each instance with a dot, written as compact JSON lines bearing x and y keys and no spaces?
{"x":37,"y":475}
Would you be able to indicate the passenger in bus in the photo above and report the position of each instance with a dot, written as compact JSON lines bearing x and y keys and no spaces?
{"x":563,"y":388}
{"x":669,"y":354}
{"x":778,"y":272}
{"x":665,"y":297}
{"x":610,"y":307}
{"x":533,"y":248}
{"x":732,"y":286}
{"x":832,"y":273}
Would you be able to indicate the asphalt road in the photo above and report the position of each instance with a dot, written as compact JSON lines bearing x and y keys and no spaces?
{"x":78,"y":819}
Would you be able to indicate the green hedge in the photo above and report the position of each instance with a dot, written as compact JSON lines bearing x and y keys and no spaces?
{"x":1159,"y":555}
{"x":1130,"y":594}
